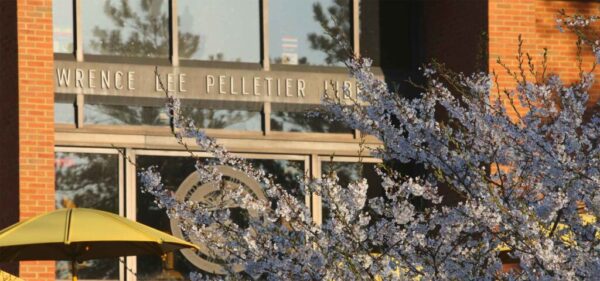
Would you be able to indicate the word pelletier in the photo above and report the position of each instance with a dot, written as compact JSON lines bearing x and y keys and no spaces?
{"x":223,"y":84}
{"x":256,"y":85}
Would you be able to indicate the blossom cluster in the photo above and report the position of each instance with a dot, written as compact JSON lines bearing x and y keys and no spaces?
{"x":527,"y":184}
{"x":581,"y":26}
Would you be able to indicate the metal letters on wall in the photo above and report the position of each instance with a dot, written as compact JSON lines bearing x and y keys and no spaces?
{"x":126,"y":80}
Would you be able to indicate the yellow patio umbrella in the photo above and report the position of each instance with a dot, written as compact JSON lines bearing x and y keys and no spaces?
{"x":78,"y":234}
{"x":5,"y":276}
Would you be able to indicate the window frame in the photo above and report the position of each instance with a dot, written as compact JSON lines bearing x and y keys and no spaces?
{"x":174,"y":61}
{"x":121,"y":184}
{"x":131,"y":188}
{"x":127,"y":175}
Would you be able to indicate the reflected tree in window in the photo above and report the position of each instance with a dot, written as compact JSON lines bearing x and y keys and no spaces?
{"x":139,"y":31}
{"x":224,"y":118}
{"x":175,"y":170}
{"x":88,"y":180}
{"x":288,"y":173}
{"x":105,"y":114}
{"x":175,"y":265}
{"x":301,"y":122}
{"x":300,"y":31}
{"x":347,"y":173}
{"x":335,"y":21}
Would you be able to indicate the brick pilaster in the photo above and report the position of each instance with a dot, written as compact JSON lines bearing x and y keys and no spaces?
{"x":31,"y":102}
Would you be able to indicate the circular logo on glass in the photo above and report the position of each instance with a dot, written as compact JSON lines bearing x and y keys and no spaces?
{"x":191,"y":189}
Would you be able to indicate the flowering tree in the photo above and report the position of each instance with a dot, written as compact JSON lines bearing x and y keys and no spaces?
{"x":528,"y":183}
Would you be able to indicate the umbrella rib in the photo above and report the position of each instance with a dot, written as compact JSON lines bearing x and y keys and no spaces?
{"x":67,"y":239}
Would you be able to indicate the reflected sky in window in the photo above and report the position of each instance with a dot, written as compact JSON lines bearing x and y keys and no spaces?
{"x":296,"y":32}
{"x":64,"y":113}
{"x":223,"y":30}
{"x":62,"y":26}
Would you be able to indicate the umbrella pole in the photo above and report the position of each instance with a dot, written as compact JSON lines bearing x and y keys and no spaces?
{"x":74,"y":269}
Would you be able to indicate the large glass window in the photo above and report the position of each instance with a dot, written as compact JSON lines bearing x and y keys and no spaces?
{"x":217,"y":30}
{"x":231,"y":119}
{"x":307,"y":32}
{"x":62,"y":26}
{"x":88,"y":180}
{"x":110,"y":114}
{"x":300,"y":31}
{"x":130,"y":28}
{"x":203,"y":117}
{"x":174,"y":171}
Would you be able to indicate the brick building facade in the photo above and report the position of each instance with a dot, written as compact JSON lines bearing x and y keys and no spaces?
{"x":27,"y":115}
{"x":451,"y":31}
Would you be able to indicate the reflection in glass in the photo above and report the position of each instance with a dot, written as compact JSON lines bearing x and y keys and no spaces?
{"x":300,"y":31}
{"x":173,"y":171}
{"x":64,"y":112}
{"x":62,"y":26}
{"x":300,"y":122}
{"x":288,"y":173}
{"x":89,"y":181}
{"x":230,"y":119}
{"x":348,"y":172}
{"x":236,"y":39}
{"x":132,"y":28}
{"x":105,"y":114}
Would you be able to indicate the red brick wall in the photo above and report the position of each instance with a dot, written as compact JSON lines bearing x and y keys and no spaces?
{"x":535,"y":21}
{"x":36,"y":119}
